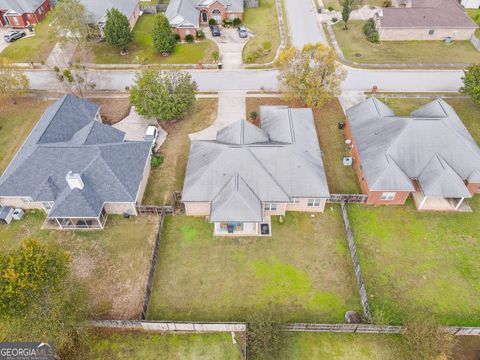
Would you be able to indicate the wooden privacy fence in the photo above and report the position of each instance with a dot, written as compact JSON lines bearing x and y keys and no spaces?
{"x":347,"y":198}
{"x":154,"y":210}
{"x":356,"y":264}
{"x":151,"y":271}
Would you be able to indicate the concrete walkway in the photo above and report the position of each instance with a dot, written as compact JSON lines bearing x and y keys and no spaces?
{"x":364,"y":13}
{"x":230,"y":46}
{"x":351,"y":98}
{"x":231,"y":108}
{"x":135,"y":125}
{"x":61,"y":56}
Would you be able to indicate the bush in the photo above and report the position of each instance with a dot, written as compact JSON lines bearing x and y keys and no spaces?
{"x":189,"y":38}
{"x":164,"y":40}
{"x":212,"y":22}
{"x":177,"y":37}
{"x":387,"y":3}
{"x":156,"y":161}
{"x":370,"y":31}
{"x":265,"y":338}
{"x":330,"y":8}
{"x":237,"y":22}
{"x":200,"y":34}
{"x":373,"y":38}
{"x":334,"y":20}
{"x":227,"y":22}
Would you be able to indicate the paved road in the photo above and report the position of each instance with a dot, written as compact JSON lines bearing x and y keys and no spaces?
{"x":302,"y":23}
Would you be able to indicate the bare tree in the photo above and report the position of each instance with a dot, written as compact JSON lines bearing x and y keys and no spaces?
{"x":13,"y":82}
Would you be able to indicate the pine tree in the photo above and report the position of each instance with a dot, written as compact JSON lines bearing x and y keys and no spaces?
{"x":117,"y":29}
{"x":163,"y":37}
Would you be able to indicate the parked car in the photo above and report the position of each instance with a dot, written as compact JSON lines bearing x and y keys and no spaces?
{"x":242,"y":32}
{"x":151,"y":134}
{"x":215,"y":30}
{"x":13,"y":35}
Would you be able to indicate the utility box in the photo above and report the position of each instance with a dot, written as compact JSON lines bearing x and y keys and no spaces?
{"x":347,"y":161}
{"x":17,"y":214}
{"x":6,"y":214}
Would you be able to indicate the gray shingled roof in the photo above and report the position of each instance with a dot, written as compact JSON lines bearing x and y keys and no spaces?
{"x":268,"y":170}
{"x":73,"y":140}
{"x":21,"y":6}
{"x":98,"y":8}
{"x":186,"y":13}
{"x":427,"y":14}
{"x":394,"y":149}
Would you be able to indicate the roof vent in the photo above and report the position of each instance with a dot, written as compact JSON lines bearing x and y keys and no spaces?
{"x":74,"y":180}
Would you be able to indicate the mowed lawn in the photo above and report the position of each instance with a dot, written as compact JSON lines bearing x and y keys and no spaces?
{"x":169,"y":176}
{"x":303,"y":271}
{"x":355,"y":47}
{"x":263,"y":22}
{"x":475,"y":15}
{"x":341,"y":179}
{"x":141,"y":50}
{"x":32,"y":49}
{"x":123,"y":346}
{"x":113,"y":263}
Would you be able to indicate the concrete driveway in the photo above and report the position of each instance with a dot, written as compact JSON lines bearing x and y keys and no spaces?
{"x":4,"y":44}
{"x":230,"y":46}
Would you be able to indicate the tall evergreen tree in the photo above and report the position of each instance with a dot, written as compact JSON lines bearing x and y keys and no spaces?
{"x":117,"y":29}
{"x":163,"y":37}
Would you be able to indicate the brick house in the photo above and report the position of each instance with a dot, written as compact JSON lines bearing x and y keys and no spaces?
{"x":429,"y":154}
{"x":250,"y":173}
{"x":424,"y":20}
{"x":187,"y":16}
{"x":77,"y":169}
{"x":20,"y":14}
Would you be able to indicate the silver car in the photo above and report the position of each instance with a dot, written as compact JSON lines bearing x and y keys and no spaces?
{"x":13,"y":35}
{"x":242,"y":32}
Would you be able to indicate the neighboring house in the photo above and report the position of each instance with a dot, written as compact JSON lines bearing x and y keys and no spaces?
{"x":21,"y":13}
{"x":76,"y":169}
{"x":429,"y":154}
{"x":250,"y":173}
{"x":471,"y":4}
{"x":98,"y":9}
{"x":424,"y":20}
{"x":187,"y":16}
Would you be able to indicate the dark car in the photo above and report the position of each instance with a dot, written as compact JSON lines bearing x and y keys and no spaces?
{"x":13,"y":35}
{"x":242,"y":32}
{"x":215,"y":30}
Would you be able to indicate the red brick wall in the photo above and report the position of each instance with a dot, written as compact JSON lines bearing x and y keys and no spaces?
{"x":474,"y":188}
{"x":400,"y":198}
{"x":185,"y":31}
{"x":30,"y":18}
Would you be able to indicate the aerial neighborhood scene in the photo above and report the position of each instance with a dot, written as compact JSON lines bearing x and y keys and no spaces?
{"x":240,"y":179}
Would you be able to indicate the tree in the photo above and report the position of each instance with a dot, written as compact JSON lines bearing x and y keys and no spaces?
{"x":346,"y":10}
{"x":265,"y":336}
{"x":71,"y":21}
{"x":163,"y":37}
{"x":117,"y":29}
{"x":77,"y":80}
{"x":39,"y":299}
{"x":471,"y":83}
{"x":163,"y":95}
{"x":13,"y":82}
{"x":311,"y":75}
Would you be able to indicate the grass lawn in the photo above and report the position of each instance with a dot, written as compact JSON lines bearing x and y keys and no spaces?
{"x":169,"y":176}
{"x":141,"y":49}
{"x":341,"y":179}
{"x":112,"y":263}
{"x":303,"y":270}
{"x":475,"y":15}
{"x":35,"y":48}
{"x":356,"y":47}
{"x":336,"y":4}
{"x":123,"y":346}
{"x":263,"y":21}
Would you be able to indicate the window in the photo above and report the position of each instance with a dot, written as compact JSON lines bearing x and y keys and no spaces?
{"x":270,"y":207}
{"x":216,"y":11}
{"x":431,"y":32}
{"x":15,"y":21}
{"x":295,"y":201}
{"x":313,"y":203}
{"x":387,"y":196}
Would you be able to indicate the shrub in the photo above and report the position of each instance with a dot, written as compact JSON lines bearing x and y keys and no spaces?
{"x":334,"y":20}
{"x":237,"y":22}
{"x":253,"y":115}
{"x":227,"y":22}
{"x":117,"y":29}
{"x":156,"y":161}
{"x":387,"y":3}
{"x":370,"y":31}
{"x":212,"y":22}
{"x":330,"y":8}
{"x":177,"y":37}
{"x":373,"y":38}
{"x":189,"y":38}
{"x":164,"y":39}
{"x":200,"y":34}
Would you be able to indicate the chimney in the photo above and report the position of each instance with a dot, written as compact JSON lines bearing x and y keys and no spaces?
{"x":74,"y":180}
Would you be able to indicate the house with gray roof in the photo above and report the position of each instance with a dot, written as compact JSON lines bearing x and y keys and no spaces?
{"x":187,"y":16}
{"x":250,"y":173}
{"x":22,"y":13}
{"x":424,"y":20}
{"x":77,"y":169}
{"x":97,"y":9}
{"x":429,"y":154}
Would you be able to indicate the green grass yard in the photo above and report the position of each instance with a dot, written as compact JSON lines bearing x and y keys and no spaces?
{"x":336,"y":4}
{"x":303,"y":271}
{"x":475,"y":15}
{"x":263,"y":21}
{"x":141,"y":49}
{"x":35,"y":48}
{"x":123,"y":346}
{"x":355,"y":47}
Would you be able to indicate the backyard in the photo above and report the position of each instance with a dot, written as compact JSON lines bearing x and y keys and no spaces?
{"x":475,"y":15}
{"x":141,"y":50}
{"x":356,"y":47}
{"x":169,"y":176}
{"x":32,"y":49}
{"x":263,"y":22}
{"x":341,"y":179}
{"x":303,"y":271}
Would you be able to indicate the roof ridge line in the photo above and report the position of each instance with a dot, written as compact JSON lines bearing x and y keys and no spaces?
{"x":99,"y":155}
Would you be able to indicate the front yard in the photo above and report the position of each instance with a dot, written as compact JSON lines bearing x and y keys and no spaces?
{"x":169,"y":176}
{"x":263,"y":21}
{"x":113,"y":263}
{"x":341,"y":179}
{"x":141,"y":49}
{"x":303,"y":271}
{"x":356,"y":47}
{"x":32,"y":49}
{"x":337,"y":6}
